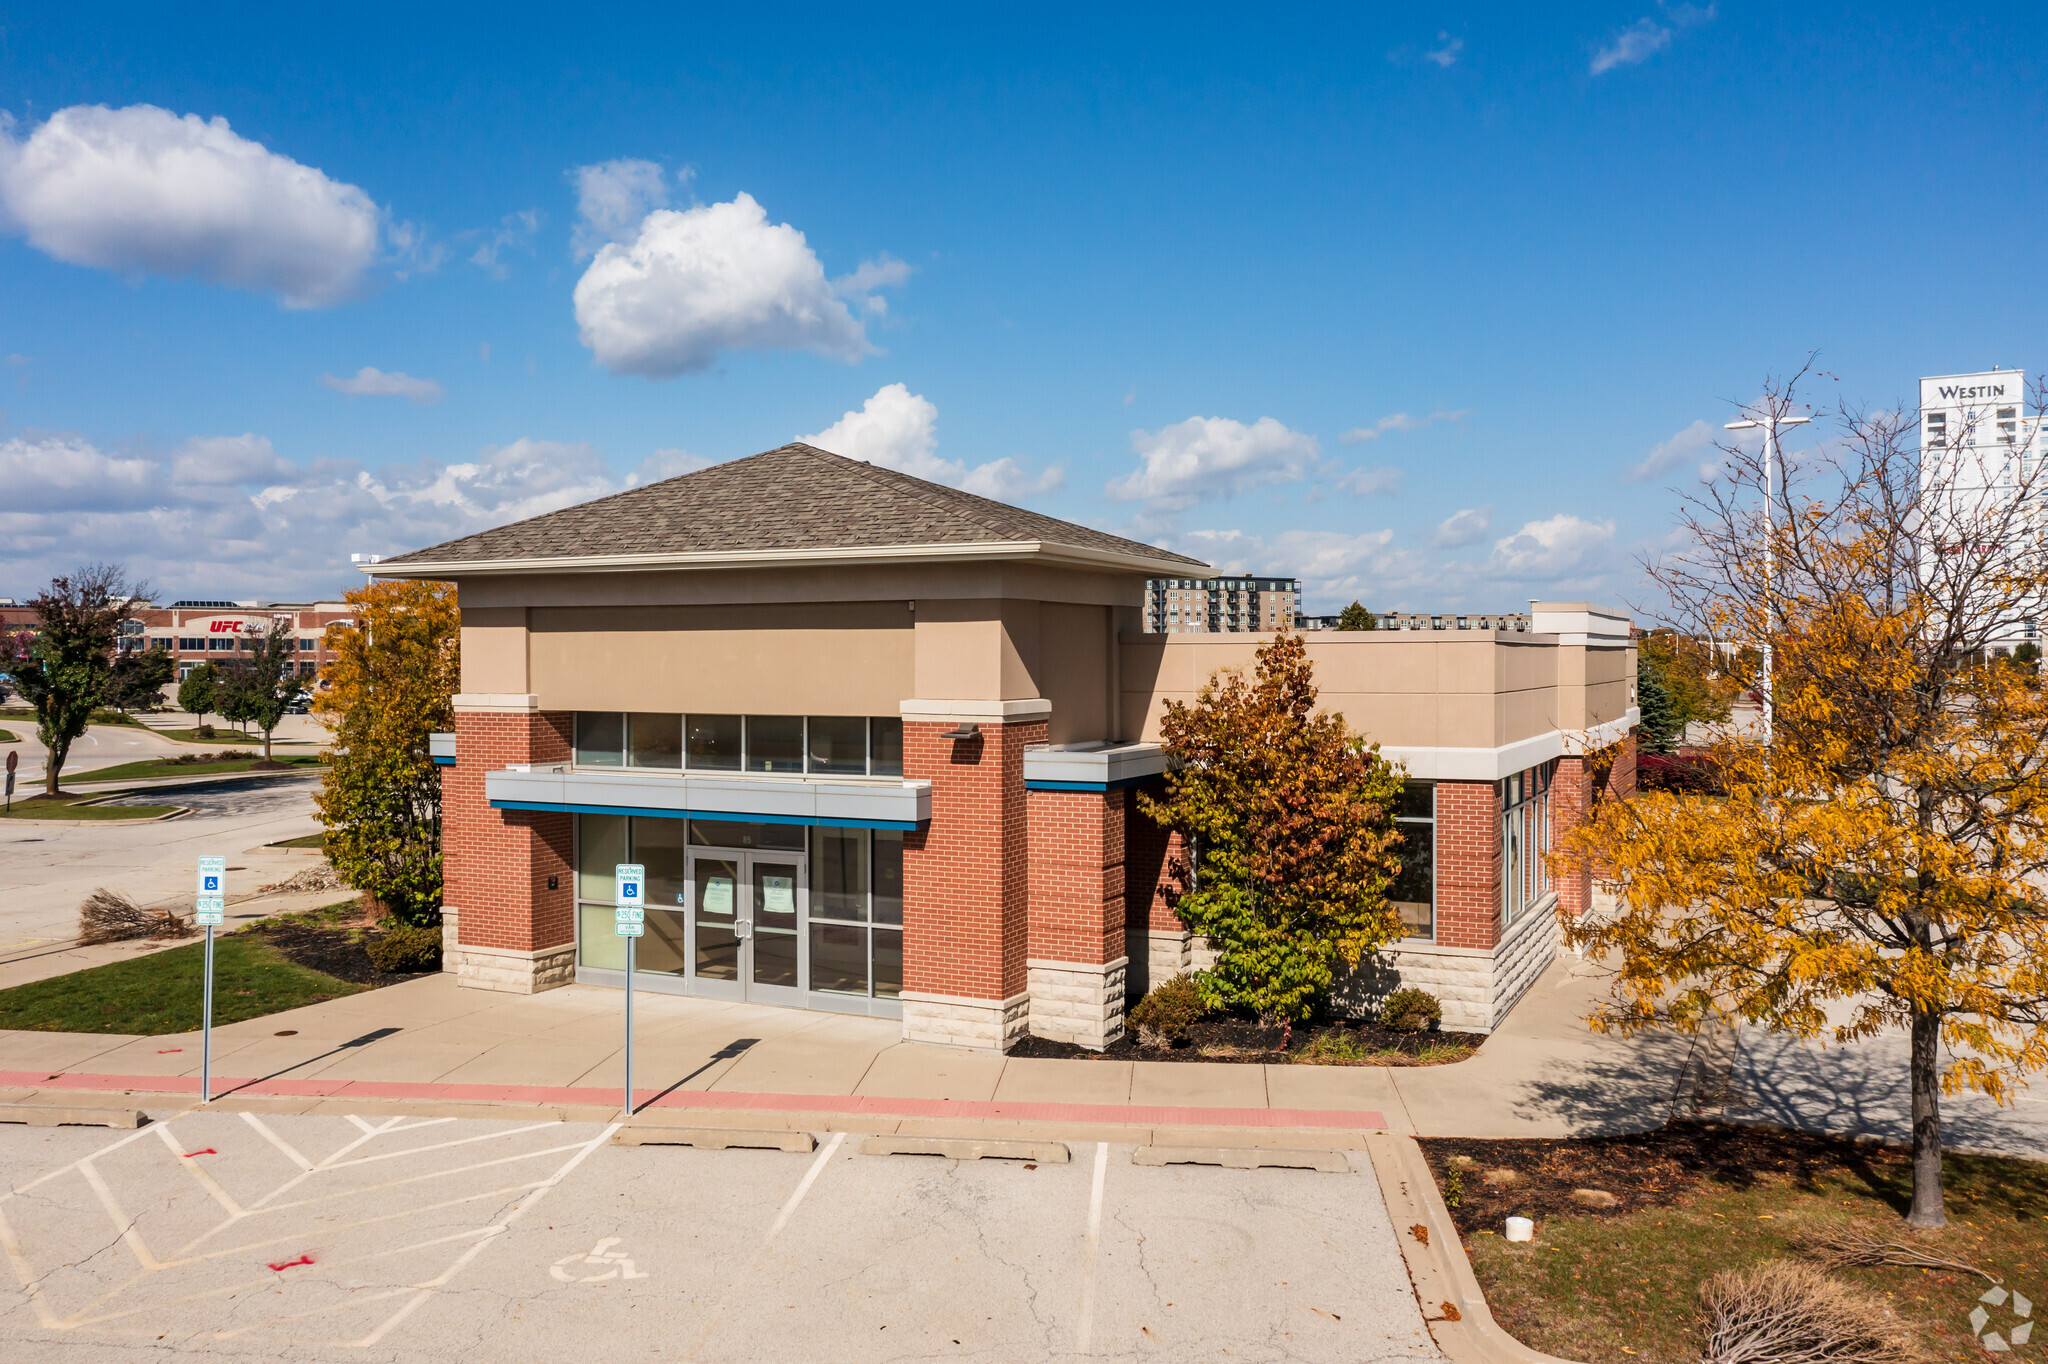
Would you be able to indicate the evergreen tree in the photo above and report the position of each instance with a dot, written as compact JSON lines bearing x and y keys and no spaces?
{"x":1660,"y":729}
{"x":1356,"y":617}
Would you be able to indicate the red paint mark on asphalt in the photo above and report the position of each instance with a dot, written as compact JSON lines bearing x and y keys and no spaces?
{"x":204,"y":1151}
{"x":168,"y":1050}
{"x":287,"y":1264}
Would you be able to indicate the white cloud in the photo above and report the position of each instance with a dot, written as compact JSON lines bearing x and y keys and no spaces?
{"x":897,"y":429}
{"x":375,"y":383}
{"x":227,"y":461}
{"x":1206,"y":457}
{"x":612,"y":197}
{"x":142,"y":191}
{"x":1558,"y":547}
{"x":226,"y":515}
{"x":705,"y":279}
{"x":1646,"y":37}
{"x":1400,"y":421}
{"x":883,"y":272}
{"x":1694,"y":443}
{"x":514,"y":230}
{"x":1332,"y":565}
{"x":1463,"y":527}
{"x":1445,"y":54}
{"x":667,"y":464}
{"x":1370,"y":482}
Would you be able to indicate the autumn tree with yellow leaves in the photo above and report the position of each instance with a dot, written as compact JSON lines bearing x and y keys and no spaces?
{"x":1885,"y":849}
{"x":391,"y":684}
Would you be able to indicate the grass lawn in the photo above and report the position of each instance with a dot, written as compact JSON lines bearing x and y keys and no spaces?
{"x":159,"y":993}
{"x":72,"y":806}
{"x":302,"y":841}
{"x":220,"y":738}
{"x":1620,"y":1286}
{"x":8,"y":736}
{"x":157,"y":767}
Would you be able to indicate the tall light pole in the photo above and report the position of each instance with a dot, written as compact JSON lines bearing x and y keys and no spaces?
{"x":1772,"y":459}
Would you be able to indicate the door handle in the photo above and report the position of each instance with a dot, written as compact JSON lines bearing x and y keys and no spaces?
{"x":743,"y":928}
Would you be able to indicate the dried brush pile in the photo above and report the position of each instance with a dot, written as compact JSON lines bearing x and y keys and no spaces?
{"x":1784,"y":1312}
{"x":319,"y":876}
{"x":1840,"y":1247}
{"x":109,"y":916}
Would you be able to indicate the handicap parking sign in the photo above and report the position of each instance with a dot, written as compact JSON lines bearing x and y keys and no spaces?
{"x":213,"y":875}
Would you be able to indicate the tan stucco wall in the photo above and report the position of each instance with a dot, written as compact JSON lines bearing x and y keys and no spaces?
{"x":1463,"y":689}
{"x":848,"y":582}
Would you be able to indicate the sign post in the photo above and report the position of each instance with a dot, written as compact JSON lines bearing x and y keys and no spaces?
{"x":630,"y":912}
{"x":206,"y":911}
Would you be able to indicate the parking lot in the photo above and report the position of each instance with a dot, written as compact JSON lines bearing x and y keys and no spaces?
{"x":237,"y":1234}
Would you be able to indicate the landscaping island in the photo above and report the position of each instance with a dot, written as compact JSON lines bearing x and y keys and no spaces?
{"x":1629,"y":1227}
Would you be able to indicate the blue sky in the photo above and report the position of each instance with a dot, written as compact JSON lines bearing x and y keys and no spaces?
{"x":1143,"y":271}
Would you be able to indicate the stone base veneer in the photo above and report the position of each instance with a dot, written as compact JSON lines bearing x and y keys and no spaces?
{"x":1478,"y":987}
{"x":1077,"y":1002}
{"x":978,"y":1024}
{"x":507,"y":969}
{"x":450,"y":943}
{"x":1166,"y":956}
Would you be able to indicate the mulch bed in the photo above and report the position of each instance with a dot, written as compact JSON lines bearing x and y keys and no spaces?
{"x":1230,"y":1040}
{"x":1641,"y":1170}
{"x":320,"y":947}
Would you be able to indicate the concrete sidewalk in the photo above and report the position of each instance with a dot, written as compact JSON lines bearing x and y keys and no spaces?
{"x":429,"y":1041}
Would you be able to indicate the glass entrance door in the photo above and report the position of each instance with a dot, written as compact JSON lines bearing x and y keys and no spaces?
{"x":747,"y":925}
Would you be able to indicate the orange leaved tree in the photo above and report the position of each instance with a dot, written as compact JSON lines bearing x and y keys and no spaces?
{"x":391,"y":684}
{"x":1291,"y":819}
{"x":1882,"y":847}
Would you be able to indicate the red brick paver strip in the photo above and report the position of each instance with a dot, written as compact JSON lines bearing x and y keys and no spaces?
{"x":879,"y":1106}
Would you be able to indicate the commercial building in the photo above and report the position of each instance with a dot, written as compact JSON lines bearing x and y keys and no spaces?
{"x":877,"y":743}
{"x":1514,"y":621}
{"x":1222,"y":605}
{"x":1982,"y":448}
{"x":195,"y":632}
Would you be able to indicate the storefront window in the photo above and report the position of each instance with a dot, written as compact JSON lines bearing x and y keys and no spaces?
{"x":857,"y":912}
{"x":715,"y":743}
{"x":656,"y":740}
{"x":822,"y":745}
{"x":1414,"y":892}
{"x":600,"y":738}
{"x":775,"y":743}
{"x":1524,"y":840}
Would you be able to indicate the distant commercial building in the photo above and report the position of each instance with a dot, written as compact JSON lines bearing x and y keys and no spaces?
{"x":1979,"y":445}
{"x":1181,"y":606}
{"x":195,"y":632}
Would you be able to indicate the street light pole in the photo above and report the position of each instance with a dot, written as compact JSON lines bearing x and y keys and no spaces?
{"x":1773,"y":457}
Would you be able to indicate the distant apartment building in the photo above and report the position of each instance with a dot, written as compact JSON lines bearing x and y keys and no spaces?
{"x":1182,"y":606}
{"x":1980,"y":446}
{"x":195,"y":632}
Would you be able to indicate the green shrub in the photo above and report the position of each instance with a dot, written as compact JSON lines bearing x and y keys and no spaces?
{"x":407,"y":947}
{"x":1164,"y":1016}
{"x":1411,"y":1010}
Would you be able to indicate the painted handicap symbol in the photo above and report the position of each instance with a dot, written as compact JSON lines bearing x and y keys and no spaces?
{"x":600,"y":1254}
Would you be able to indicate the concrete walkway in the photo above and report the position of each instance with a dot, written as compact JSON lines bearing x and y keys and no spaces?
{"x":430,"y":1041}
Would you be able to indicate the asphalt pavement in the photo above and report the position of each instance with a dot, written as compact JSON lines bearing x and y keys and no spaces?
{"x":241,"y":1235}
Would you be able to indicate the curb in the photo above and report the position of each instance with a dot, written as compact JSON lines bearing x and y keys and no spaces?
{"x":175,"y":812}
{"x":1452,"y":1303}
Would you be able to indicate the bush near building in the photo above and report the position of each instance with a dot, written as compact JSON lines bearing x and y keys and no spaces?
{"x":1290,"y":817}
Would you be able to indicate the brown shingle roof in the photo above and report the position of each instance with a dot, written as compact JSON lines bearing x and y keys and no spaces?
{"x":791,"y":499}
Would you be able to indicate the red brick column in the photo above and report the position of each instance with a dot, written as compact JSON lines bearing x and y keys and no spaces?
{"x":1075,"y":917}
{"x":512,"y":932}
{"x":1621,"y":778}
{"x":1571,"y":797}
{"x":1157,"y":940}
{"x":966,"y":884}
{"x":1467,"y":864}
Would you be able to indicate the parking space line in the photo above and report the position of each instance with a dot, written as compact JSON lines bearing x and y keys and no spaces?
{"x":326,"y":1166}
{"x":1084,"y":1329}
{"x":502,"y":1226}
{"x":122,"y":1222}
{"x":30,"y":1284}
{"x":206,"y":1181}
{"x":746,"y":1274}
{"x":108,"y":1149}
{"x":291,"y":1153}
